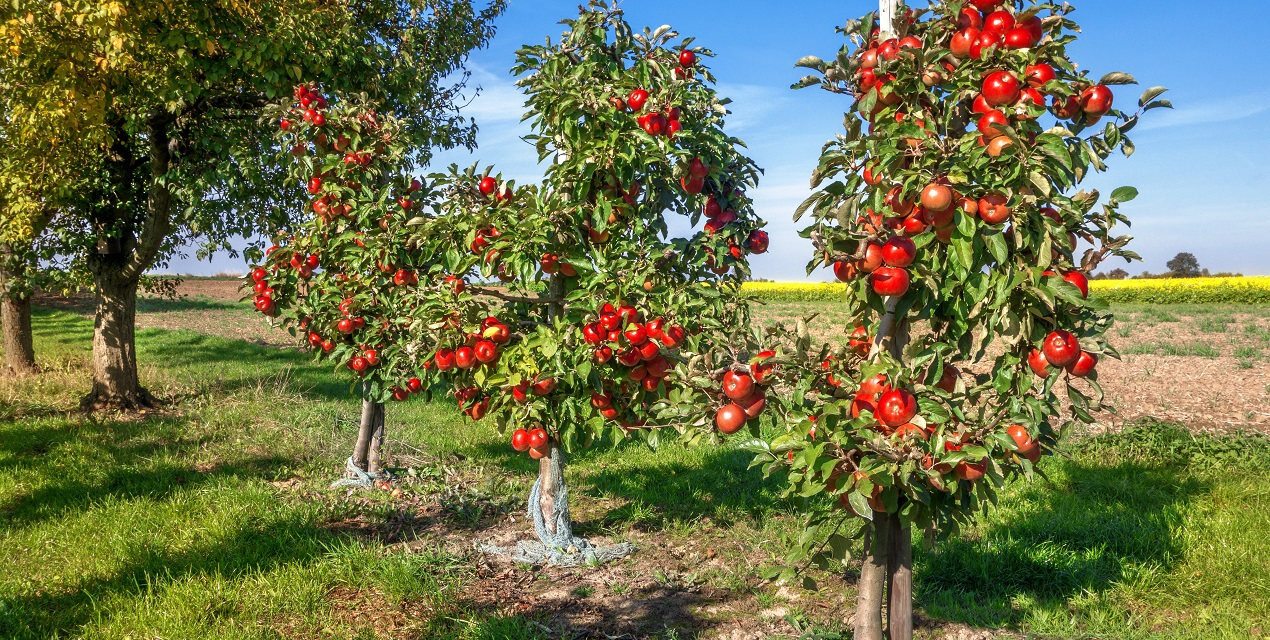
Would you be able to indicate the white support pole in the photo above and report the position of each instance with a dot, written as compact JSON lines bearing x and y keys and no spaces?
{"x":887,"y":10}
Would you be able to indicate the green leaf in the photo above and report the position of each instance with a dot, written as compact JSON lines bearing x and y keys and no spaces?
{"x":1117,"y":77}
{"x":860,"y":505}
{"x":1150,"y":94}
{"x":811,"y":62}
{"x":1123,"y":194}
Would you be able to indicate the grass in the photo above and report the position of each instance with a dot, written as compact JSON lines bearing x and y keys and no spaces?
{"x":214,"y":521}
{"x":1194,"y":349}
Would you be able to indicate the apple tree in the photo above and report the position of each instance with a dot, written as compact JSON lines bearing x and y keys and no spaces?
{"x":566,"y":311}
{"x":172,"y":122}
{"x":950,"y":206}
{"x":606,"y":316}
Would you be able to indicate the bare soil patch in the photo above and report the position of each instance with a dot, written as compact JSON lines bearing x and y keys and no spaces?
{"x":1208,"y":369}
{"x":702,"y":586}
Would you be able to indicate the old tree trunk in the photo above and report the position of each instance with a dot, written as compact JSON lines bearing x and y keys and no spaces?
{"x":15,"y":312}
{"x":130,"y":230}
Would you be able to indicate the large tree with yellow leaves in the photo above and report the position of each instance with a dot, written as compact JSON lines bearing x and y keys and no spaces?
{"x":166,"y":95}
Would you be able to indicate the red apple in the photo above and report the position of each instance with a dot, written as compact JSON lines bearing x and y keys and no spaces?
{"x":889,"y":281}
{"x":730,"y":418}
{"x":1036,"y":360}
{"x":998,"y":22}
{"x":896,"y":407}
{"x":486,"y":351}
{"x":899,"y":252}
{"x":520,"y":440}
{"x":1079,"y":280}
{"x":537,"y":438}
{"x":1039,"y":74}
{"x":994,"y":208}
{"x":1061,"y":348}
{"x":737,"y":385}
{"x":636,"y":100}
{"x":754,"y":403}
{"x":543,"y":386}
{"x":1001,"y":88}
{"x":1084,"y":365}
{"x":1096,"y":100}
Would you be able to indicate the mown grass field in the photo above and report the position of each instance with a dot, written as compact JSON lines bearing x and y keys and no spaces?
{"x":213,"y":520}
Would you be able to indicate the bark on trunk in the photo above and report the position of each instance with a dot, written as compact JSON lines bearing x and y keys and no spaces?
{"x":126,"y":247}
{"x":899,"y":596}
{"x":15,"y":315}
{"x":551,"y":468}
{"x":116,"y":383}
{"x":868,"y":615}
{"x":375,"y":457}
{"x":551,"y":472}
{"x":366,"y":434}
{"x":19,"y":349}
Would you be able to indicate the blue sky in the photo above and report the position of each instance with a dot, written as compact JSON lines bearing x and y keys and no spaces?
{"x":1202,"y":186}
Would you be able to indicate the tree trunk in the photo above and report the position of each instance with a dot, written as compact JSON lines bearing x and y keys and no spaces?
{"x":375,"y":462}
{"x":366,"y":434}
{"x":19,"y":348}
{"x":872,"y":585}
{"x":123,"y":253}
{"x":551,"y":468}
{"x":15,"y":313}
{"x":899,"y":596}
{"x":551,"y":473}
{"x":116,"y":384}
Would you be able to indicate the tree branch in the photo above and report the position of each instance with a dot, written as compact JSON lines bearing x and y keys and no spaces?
{"x":495,"y":293}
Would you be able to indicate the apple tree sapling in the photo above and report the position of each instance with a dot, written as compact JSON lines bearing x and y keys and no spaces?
{"x":950,"y":206}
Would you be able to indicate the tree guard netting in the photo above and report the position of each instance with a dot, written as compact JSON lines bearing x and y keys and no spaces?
{"x":560,"y":548}
{"x":356,"y":477}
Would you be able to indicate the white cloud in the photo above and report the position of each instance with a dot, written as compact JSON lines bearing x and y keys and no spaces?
{"x":498,"y":99}
{"x":1202,"y":113}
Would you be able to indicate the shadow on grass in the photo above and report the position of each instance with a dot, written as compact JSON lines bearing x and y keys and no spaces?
{"x":144,"y":462}
{"x":255,"y":548}
{"x":1104,"y":524}
{"x":134,"y":472}
{"x":721,"y":488}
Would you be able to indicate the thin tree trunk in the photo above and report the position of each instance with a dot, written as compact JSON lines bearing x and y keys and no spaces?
{"x":899,"y":596}
{"x":551,"y":473}
{"x":116,"y":383}
{"x":868,"y":615}
{"x":551,"y":467}
{"x":365,"y":434}
{"x":375,"y":458}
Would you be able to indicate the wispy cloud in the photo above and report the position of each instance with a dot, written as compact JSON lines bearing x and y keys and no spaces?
{"x":498,"y":99}
{"x":1207,"y":112}
{"x":752,"y":105}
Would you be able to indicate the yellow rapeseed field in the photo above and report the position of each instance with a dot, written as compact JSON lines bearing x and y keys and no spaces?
{"x":1242,"y":290}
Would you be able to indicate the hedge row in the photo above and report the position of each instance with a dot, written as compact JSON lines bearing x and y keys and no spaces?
{"x":1251,"y":290}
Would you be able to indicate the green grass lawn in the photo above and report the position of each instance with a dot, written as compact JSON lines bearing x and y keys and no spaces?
{"x":214,"y":520}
